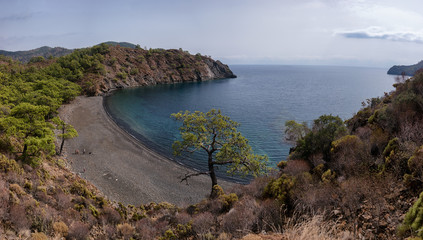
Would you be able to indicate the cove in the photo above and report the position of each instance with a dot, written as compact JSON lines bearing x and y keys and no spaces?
{"x":261,"y":99}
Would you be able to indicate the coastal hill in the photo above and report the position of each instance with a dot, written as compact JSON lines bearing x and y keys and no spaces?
{"x":409,"y":70}
{"x":127,"y":67}
{"x":114,"y":65}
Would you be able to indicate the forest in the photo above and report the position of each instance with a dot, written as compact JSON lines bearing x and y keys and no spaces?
{"x":358,"y":179}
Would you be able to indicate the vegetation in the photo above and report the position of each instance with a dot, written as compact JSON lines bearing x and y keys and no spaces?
{"x":42,"y":52}
{"x":217,"y":135}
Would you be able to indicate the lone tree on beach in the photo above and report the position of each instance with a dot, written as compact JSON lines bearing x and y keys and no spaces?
{"x":67,"y":132}
{"x":218,"y":136}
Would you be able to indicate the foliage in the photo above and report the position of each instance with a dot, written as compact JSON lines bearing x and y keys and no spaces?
{"x":295,"y":131}
{"x":280,"y":188}
{"x":29,"y":98}
{"x":413,"y":221}
{"x":324,"y":131}
{"x":9,"y":165}
{"x":415,"y":165}
{"x":348,"y":155}
{"x":218,"y":136}
{"x":72,"y":67}
{"x":67,"y":131}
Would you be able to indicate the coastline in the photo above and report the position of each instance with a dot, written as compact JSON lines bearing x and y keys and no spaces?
{"x":123,"y":168}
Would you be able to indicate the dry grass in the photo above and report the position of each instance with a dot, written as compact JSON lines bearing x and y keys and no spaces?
{"x":314,"y":229}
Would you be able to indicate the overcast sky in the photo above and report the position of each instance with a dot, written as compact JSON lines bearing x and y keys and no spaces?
{"x":319,"y":32}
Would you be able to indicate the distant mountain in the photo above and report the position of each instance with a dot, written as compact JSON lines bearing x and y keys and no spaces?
{"x":407,"y":70}
{"x":122,"y":44}
{"x":25,"y":56}
{"x":46,"y":52}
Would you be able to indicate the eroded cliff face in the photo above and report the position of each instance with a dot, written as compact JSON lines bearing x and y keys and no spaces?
{"x":126,"y":67}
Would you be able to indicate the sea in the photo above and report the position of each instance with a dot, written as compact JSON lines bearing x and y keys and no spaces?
{"x":262,"y":98}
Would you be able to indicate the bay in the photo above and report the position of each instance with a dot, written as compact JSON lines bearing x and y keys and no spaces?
{"x":261,"y":99}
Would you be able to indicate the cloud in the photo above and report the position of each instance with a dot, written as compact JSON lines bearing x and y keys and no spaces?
{"x":16,"y":17}
{"x":380,"y":33}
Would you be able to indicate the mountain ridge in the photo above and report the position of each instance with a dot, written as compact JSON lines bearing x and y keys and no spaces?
{"x":44,"y":51}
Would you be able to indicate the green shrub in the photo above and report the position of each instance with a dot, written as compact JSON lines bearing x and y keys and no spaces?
{"x":134,"y":71}
{"x":280,"y":188}
{"x":228,"y":200}
{"x":392,"y":146}
{"x":121,"y":75}
{"x":328,"y":176}
{"x":80,"y":188}
{"x":94,"y":211}
{"x":415,"y":167}
{"x":9,"y":165}
{"x":37,"y":59}
{"x":169,"y":235}
{"x":413,"y":221}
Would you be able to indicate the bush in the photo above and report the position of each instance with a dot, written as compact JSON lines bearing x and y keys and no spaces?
{"x":80,"y":188}
{"x":203,"y":223}
{"x":413,"y":221}
{"x":38,"y":236}
{"x":280,"y":188}
{"x":126,"y":230}
{"x":325,"y":130}
{"x":78,"y":231}
{"x":17,"y":189}
{"x":228,"y":200}
{"x":18,"y":217}
{"x":415,"y":166}
{"x":149,"y":230}
{"x":241,"y":218}
{"x":110,"y":215}
{"x":9,"y":165}
{"x":121,"y":75}
{"x":60,"y":228}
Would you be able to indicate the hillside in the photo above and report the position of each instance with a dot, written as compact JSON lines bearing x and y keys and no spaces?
{"x":122,"y":44}
{"x":103,"y":68}
{"x":46,"y":52}
{"x":407,"y":70}
{"x":127,"y":67}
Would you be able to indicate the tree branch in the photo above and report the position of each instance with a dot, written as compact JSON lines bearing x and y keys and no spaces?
{"x":222,"y":163}
{"x":189,"y":175}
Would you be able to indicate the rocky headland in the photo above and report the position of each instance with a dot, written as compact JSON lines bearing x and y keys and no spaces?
{"x":126,"y":67}
{"x":409,"y":70}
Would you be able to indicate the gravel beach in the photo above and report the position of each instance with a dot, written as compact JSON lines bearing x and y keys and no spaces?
{"x":120,"y":166}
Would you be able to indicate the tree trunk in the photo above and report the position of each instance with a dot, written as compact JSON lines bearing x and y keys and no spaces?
{"x":213,"y":193}
{"x":63,"y":141}
{"x":61,"y":146}
{"x":25,"y":153}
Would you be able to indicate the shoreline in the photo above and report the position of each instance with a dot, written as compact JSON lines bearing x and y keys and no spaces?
{"x":139,"y":138}
{"x":120,"y":166}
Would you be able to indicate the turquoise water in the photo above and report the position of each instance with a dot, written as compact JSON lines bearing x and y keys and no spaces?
{"x":261,"y":99}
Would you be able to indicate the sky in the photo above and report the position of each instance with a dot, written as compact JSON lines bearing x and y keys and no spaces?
{"x":373,"y":33}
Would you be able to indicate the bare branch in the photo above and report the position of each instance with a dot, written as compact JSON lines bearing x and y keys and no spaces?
{"x":189,"y":175}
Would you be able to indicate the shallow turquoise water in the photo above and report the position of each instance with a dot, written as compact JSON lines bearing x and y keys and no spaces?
{"x":261,"y":99}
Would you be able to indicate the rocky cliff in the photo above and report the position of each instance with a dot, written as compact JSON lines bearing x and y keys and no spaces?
{"x":126,"y":67}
